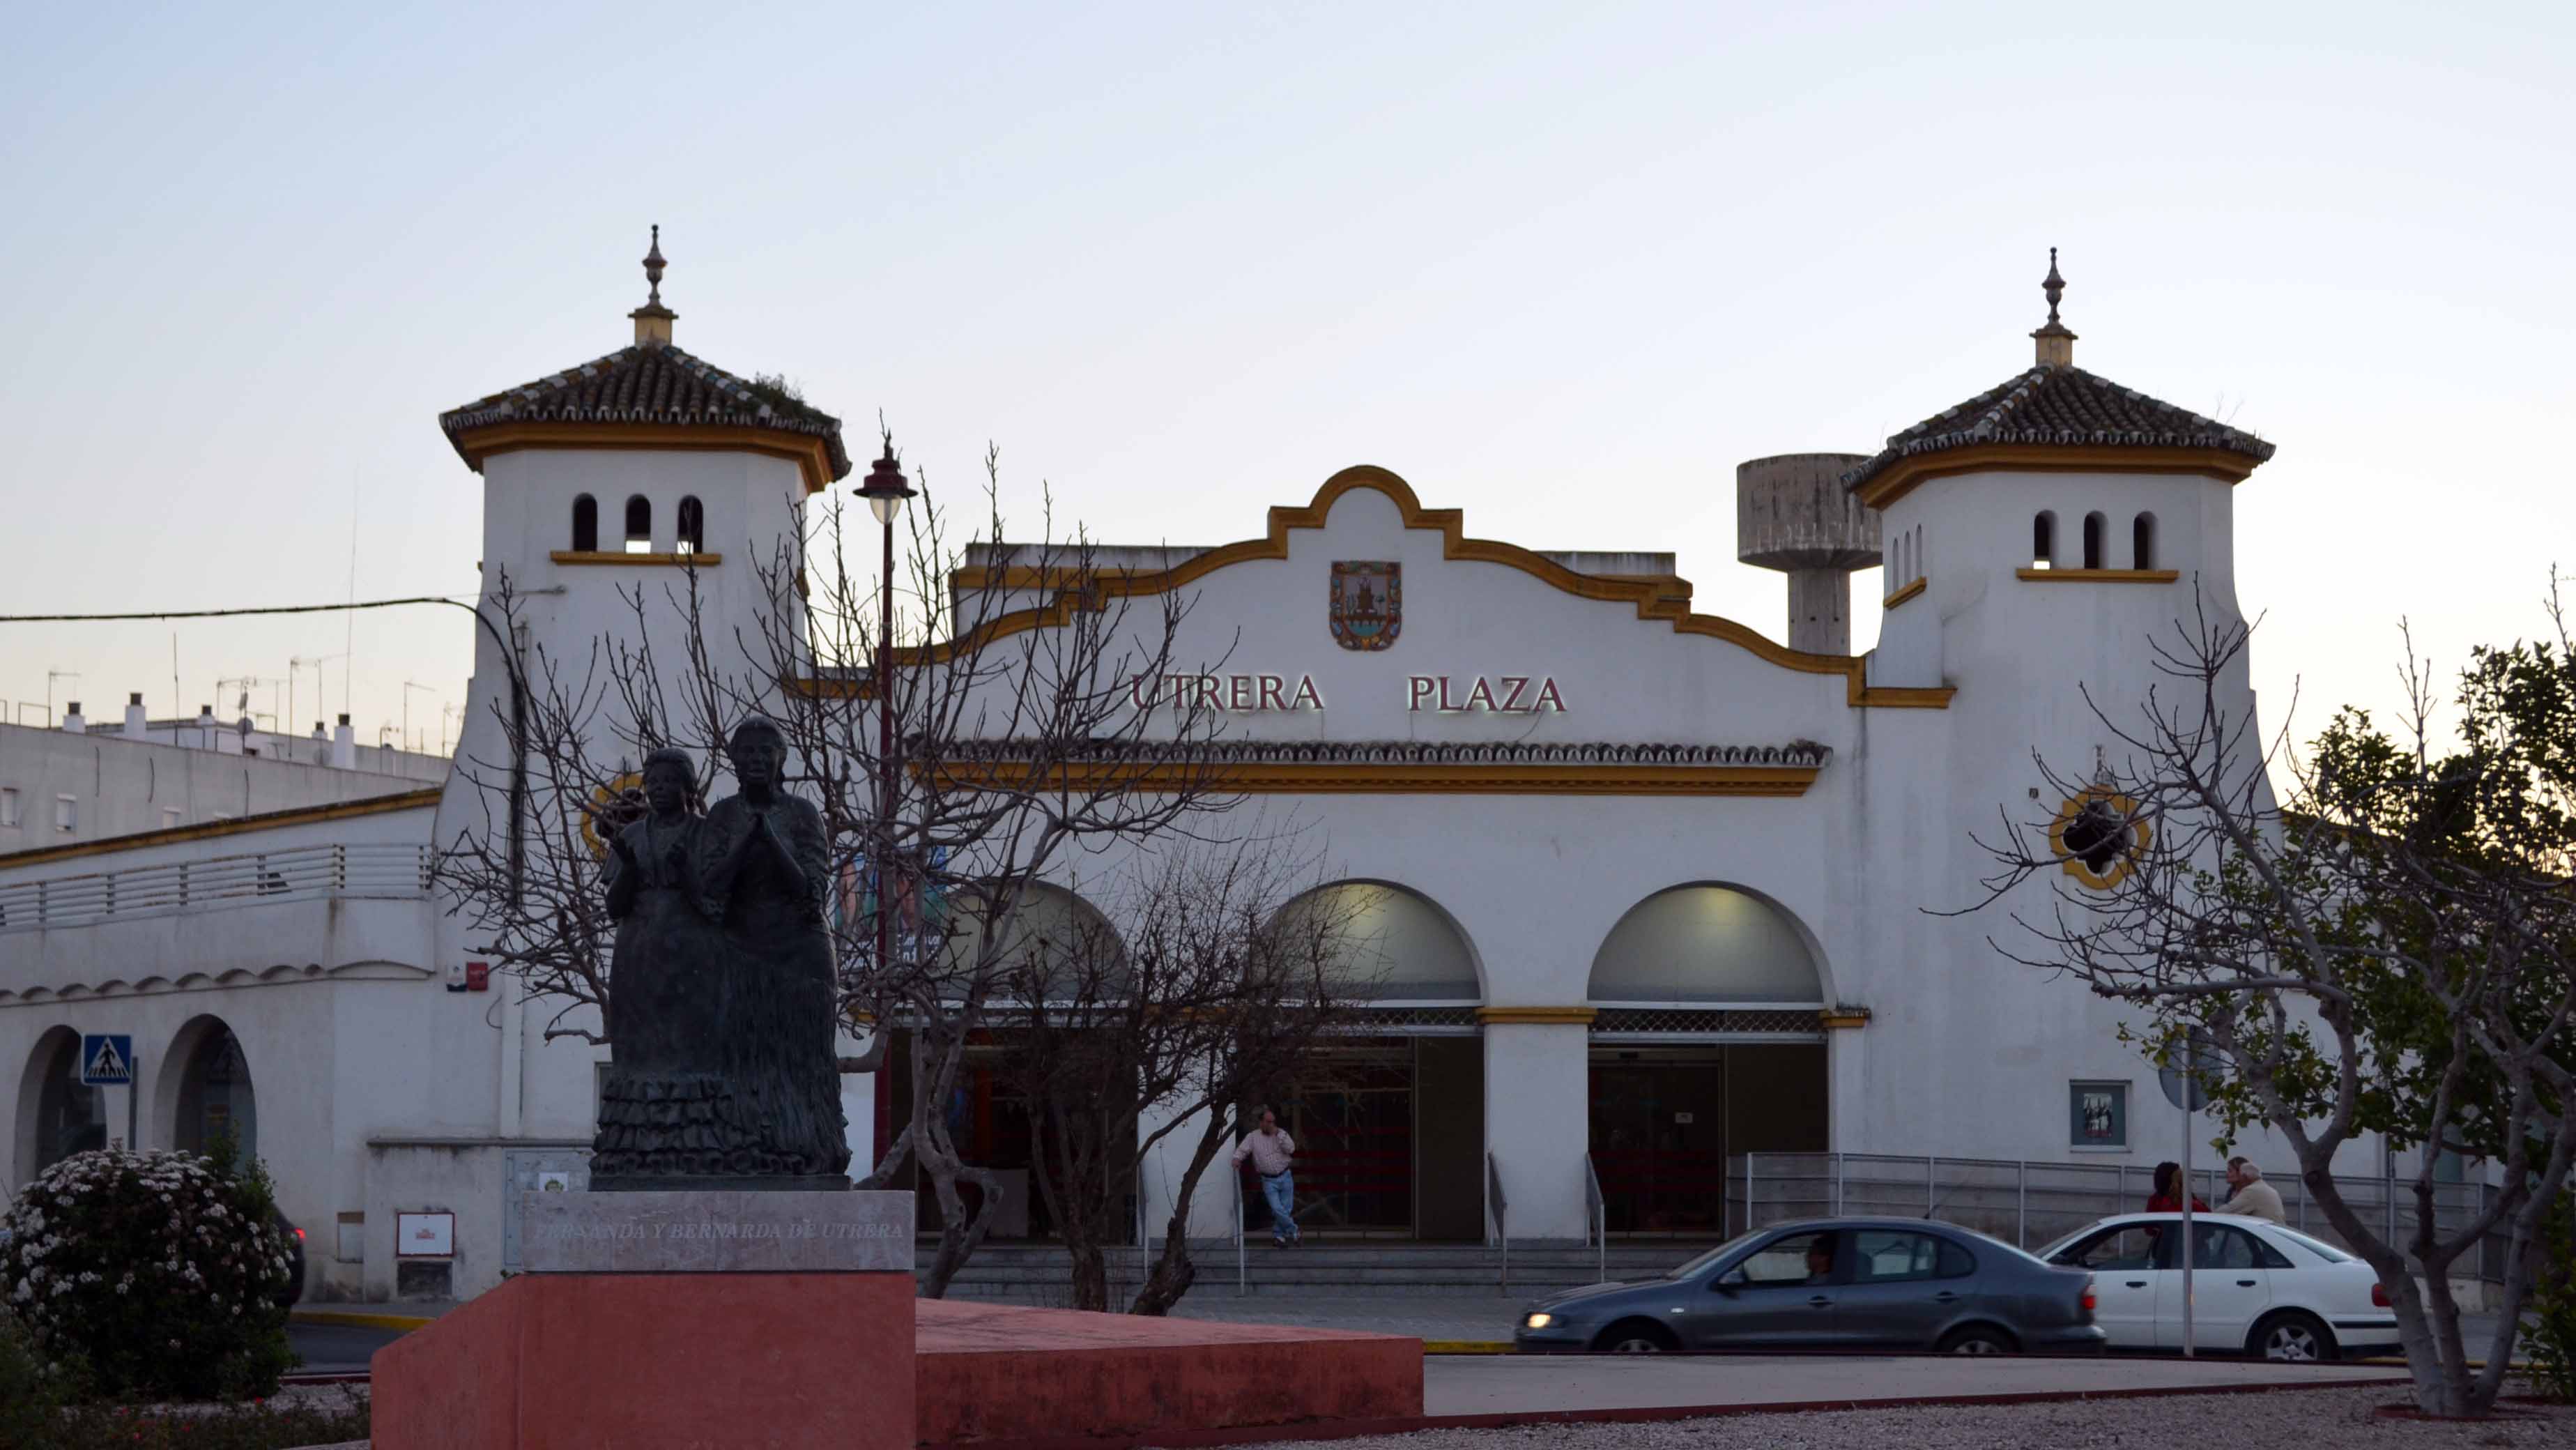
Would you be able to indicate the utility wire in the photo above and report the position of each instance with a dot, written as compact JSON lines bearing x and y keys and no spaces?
{"x":458,"y":599}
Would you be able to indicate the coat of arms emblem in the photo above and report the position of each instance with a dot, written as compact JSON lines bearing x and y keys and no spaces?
{"x":1367,"y":604}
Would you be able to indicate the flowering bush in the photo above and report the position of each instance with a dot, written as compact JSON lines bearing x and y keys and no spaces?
{"x":154,"y":1273}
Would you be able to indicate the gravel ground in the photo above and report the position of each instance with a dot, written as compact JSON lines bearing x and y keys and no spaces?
{"x":2321,"y":1418}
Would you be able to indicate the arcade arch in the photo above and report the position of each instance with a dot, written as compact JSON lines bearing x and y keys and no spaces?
{"x":205,"y":1089}
{"x":1706,"y":1044}
{"x":57,"y":1115}
{"x":1050,"y":928}
{"x":1390,"y":1120}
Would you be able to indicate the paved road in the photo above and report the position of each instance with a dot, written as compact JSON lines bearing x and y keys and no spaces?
{"x":335,"y":1348}
{"x":1445,"y":1317}
{"x":1495,"y":1385}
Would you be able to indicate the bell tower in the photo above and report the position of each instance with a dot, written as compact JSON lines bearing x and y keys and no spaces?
{"x":620,"y":495}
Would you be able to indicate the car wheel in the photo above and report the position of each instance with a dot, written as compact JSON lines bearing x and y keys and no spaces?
{"x":2293,"y":1339}
{"x":1978,"y":1339}
{"x":1635,"y":1336}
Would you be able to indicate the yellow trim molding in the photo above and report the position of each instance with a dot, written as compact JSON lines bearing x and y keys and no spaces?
{"x":2141,"y":835}
{"x":2098,"y":576}
{"x":1401,"y":778}
{"x":1658,"y":598}
{"x":606,"y":556}
{"x":1844,"y":1018}
{"x":810,"y":455}
{"x":1908,"y":592}
{"x":1904,"y":475}
{"x":1538,"y":1016}
{"x":266,"y":820}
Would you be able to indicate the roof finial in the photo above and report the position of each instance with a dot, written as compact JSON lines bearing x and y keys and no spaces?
{"x":653,"y":265}
{"x":2056,"y":343}
{"x":653,"y":320}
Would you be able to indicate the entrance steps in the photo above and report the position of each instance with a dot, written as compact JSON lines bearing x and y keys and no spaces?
{"x":1037,"y":1274}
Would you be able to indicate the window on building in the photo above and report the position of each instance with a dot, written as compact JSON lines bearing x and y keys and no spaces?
{"x":2142,"y":542}
{"x":66,"y":814}
{"x":639,"y":525}
{"x":169,"y":817}
{"x":8,"y":807}
{"x":2043,"y":541}
{"x":693,"y":526}
{"x":2092,"y":541}
{"x":585,"y":525}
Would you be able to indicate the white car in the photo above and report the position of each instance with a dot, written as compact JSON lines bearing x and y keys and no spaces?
{"x":2256,"y":1287}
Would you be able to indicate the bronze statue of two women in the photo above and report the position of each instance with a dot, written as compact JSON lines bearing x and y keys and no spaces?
{"x":721,"y":1012}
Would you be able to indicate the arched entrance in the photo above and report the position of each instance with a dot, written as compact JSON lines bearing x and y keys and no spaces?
{"x":1390,"y":1121}
{"x":57,"y":1115}
{"x":1050,"y":927}
{"x":1706,"y":1043}
{"x":215,"y":1095}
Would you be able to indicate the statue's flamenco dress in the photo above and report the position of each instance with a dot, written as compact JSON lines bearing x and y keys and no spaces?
{"x":663,"y":1110}
{"x":780,"y":990}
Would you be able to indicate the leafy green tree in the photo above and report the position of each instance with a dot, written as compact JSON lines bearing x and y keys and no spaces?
{"x":2390,"y":952}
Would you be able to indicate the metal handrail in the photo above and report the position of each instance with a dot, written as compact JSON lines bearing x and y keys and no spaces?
{"x":386,"y":870}
{"x":1234,"y":1175}
{"x":1597,"y":1209}
{"x":1499,"y":1207}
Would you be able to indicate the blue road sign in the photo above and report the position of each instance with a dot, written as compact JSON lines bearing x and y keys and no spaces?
{"x":107,"y":1059}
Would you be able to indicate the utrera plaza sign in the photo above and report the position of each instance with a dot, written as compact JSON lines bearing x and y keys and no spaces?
{"x":1257,"y":694}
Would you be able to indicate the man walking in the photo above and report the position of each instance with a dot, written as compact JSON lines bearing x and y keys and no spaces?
{"x":2251,"y":1195}
{"x":1270,"y":1149}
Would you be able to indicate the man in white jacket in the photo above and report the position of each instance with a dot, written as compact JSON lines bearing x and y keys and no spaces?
{"x":2252,"y":1196}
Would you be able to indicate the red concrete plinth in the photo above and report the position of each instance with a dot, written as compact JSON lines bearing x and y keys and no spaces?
{"x":993,"y":1372}
{"x":556,"y":1361}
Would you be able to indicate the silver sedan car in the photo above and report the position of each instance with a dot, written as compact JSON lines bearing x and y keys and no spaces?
{"x":1839,"y":1283}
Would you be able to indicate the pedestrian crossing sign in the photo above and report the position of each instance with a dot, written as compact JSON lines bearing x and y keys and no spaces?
{"x":107,"y":1059}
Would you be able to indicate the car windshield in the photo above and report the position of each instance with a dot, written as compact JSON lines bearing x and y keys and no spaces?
{"x":1700,"y":1262}
{"x":2325,"y":1251}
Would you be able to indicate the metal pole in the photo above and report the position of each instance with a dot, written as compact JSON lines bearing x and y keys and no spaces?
{"x":2388,"y":1187}
{"x":1748,"y":1193}
{"x":2021,"y":1208}
{"x":133,"y":1102}
{"x":1931,"y":1194}
{"x":2187,"y":1081}
{"x":1838,"y":1185}
{"x":885,"y":752}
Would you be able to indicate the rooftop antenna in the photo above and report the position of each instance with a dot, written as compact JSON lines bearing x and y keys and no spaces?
{"x":349,"y":638}
{"x":300,"y":662}
{"x":408,"y":687}
{"x":50,"y":677}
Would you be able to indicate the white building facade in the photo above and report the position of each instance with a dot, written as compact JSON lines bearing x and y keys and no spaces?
{"x":1657,"y":890}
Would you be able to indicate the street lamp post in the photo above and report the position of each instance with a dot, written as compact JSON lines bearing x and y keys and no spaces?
{"x":886,"y":492}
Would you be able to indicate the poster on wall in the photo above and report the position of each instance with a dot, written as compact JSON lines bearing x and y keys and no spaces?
{"x":2098,"y":1114}
{"x":425,"y":1235}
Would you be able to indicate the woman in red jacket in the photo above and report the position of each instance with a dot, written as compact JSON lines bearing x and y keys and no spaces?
{"x":2168,"y":1196}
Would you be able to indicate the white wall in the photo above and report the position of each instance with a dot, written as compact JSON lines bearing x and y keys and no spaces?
{"x":120,"y":786}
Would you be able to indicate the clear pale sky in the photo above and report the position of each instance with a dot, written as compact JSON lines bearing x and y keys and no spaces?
{"x":1562,"y":267}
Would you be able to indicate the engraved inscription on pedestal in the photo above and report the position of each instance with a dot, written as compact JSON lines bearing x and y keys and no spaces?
{"x":716,"y":1232}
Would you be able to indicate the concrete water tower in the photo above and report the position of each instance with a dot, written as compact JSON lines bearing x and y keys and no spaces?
{"x":1793,"y":514}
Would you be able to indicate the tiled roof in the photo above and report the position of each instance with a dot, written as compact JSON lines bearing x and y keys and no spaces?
{"x":2061,"y":406}
{"x":649,"y":385}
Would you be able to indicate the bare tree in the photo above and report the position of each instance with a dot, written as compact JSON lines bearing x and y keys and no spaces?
{"x":2387,"y":952}
{"x":1030,"y":727}
{"x":1207,"y":974}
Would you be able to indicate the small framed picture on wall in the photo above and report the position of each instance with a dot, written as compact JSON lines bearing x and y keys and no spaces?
{"x":2097,"y":1116}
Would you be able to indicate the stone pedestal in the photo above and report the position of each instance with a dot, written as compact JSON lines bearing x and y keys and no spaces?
{"x":674,"y":1319}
